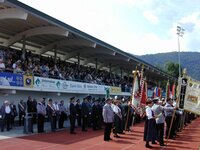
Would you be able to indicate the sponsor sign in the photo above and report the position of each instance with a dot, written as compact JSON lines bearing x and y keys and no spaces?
{"x":115,"y":90}
{"x":28,"y":81}
{"x":10,"y":79}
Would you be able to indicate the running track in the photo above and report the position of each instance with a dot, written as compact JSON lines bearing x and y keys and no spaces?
{"x":188,"y":139}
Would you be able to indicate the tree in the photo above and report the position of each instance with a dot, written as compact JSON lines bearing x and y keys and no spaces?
{"x":172,"y":68}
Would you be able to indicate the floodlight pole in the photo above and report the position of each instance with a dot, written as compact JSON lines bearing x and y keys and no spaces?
{"x":180,"y":32}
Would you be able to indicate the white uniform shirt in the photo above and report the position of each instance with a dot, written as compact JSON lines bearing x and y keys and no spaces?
{"x":117,"y":110}
{"x":149,"y":113}
{"x":7,"y":109}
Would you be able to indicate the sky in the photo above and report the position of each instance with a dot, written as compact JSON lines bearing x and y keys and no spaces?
{"x":136,"y":26}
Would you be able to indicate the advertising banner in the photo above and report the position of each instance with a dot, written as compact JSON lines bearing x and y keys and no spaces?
{"x":10,"y":79}
{"x":192,"y":97}
{"x":70,"y":86}
{"x":115,"y":90}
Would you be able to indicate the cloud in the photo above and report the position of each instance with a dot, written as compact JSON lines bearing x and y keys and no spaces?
{"x":192,"y":31}
{"x":123,"y":23}
{"x":150,"y":17}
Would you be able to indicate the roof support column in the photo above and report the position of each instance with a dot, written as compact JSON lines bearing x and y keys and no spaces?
{"x":96,"y":64}
{"x":23,"y":48}
{"x":78,"y":60}
{"x":121,"y":72}
{"x":55,"y":55}
{"x":110,"y":68}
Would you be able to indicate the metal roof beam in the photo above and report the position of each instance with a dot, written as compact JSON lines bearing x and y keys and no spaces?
{"x":37,"y":31}
{"x":88,"y":51}
{"x":13,"y":13}
{"x":96,"y":51}
{"x":89,"y":60}
{"x":67,"y":42}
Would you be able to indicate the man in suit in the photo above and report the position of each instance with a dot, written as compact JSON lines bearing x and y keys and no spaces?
{"x":14,"y":113}
{"x":160,"y":120}
{"x":84,"y":113}
{"x":95,"y":115}
{"x":72,"y":116}
{"x":78,"y":111}
{"x":22,"y":111}
{"x":108,"y":117}
{"x":52,"y":115}
{"x":6,"y":115}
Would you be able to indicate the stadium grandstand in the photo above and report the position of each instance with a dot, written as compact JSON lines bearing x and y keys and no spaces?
{"x":44,"y":57}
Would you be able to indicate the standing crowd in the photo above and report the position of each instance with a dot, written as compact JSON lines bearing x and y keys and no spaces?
{"x":83,"y":113}
{"x":117,"y":115}
{"x":159,"y":113}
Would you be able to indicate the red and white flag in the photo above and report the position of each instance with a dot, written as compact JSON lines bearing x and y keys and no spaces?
{"x":143,"y":92}
{"x":136,"y":91}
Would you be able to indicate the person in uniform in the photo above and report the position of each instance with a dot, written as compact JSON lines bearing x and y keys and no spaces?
{"x":95,"y":115}
{"x":63,"y":114}
{"x":108,"y":117}
{"x":160,"y":120}
{"x":169,"y":109}
{"x":78,"y":111}
{"x":14,"y":113}
{"x":6,"y":115}
{"x":22,"y":111}
{"x":52,"y":115}
{"x":41,"y":112}
{"x":72,"y":116}
{"x":117,"y":118}
{"x":150,"y":125}
{"x":84,"y":114}
{"x":56,"y":106}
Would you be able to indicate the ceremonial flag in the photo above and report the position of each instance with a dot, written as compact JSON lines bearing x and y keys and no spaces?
{"x":174,"y":90}
{"x":144,"y":93}
{"x":159,"y":92}
{"x":136,"y":91}
{"x":167,"y":90}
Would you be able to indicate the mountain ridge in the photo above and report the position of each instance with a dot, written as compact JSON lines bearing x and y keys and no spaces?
{"x":188,"y":60}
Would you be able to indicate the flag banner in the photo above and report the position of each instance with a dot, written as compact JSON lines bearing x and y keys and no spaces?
{"x":192,"y":97}
{"x":143,"y":88}
{"x":174,"y":90}
{"x":159,"y":92}
{"x":155,"y":92}
{"x":182,"y":85}
{"x":136,"y":92}
{"x":167,"y":90}
{"x":144,"y":93}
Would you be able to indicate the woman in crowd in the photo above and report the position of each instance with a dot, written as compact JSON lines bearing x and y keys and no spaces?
{"x":150,"y":125}
{"x":117,"y":119}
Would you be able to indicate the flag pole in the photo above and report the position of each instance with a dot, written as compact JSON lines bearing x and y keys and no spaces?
{"x":173,"y":116}
{"x":127,"y":118}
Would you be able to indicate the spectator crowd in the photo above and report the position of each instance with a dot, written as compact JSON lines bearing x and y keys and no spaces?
{"x":32,"y":64}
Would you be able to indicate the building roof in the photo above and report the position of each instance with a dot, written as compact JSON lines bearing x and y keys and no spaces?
{"x":44,"y":34}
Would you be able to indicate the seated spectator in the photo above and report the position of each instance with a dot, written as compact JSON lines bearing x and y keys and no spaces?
{"x":36,"y":70}
{"x":18,"y":69}
{"x":2,"y":65}
{"x":9,"y":66}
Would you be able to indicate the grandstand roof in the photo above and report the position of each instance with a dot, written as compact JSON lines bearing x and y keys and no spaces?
{"x":44,"y":34}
